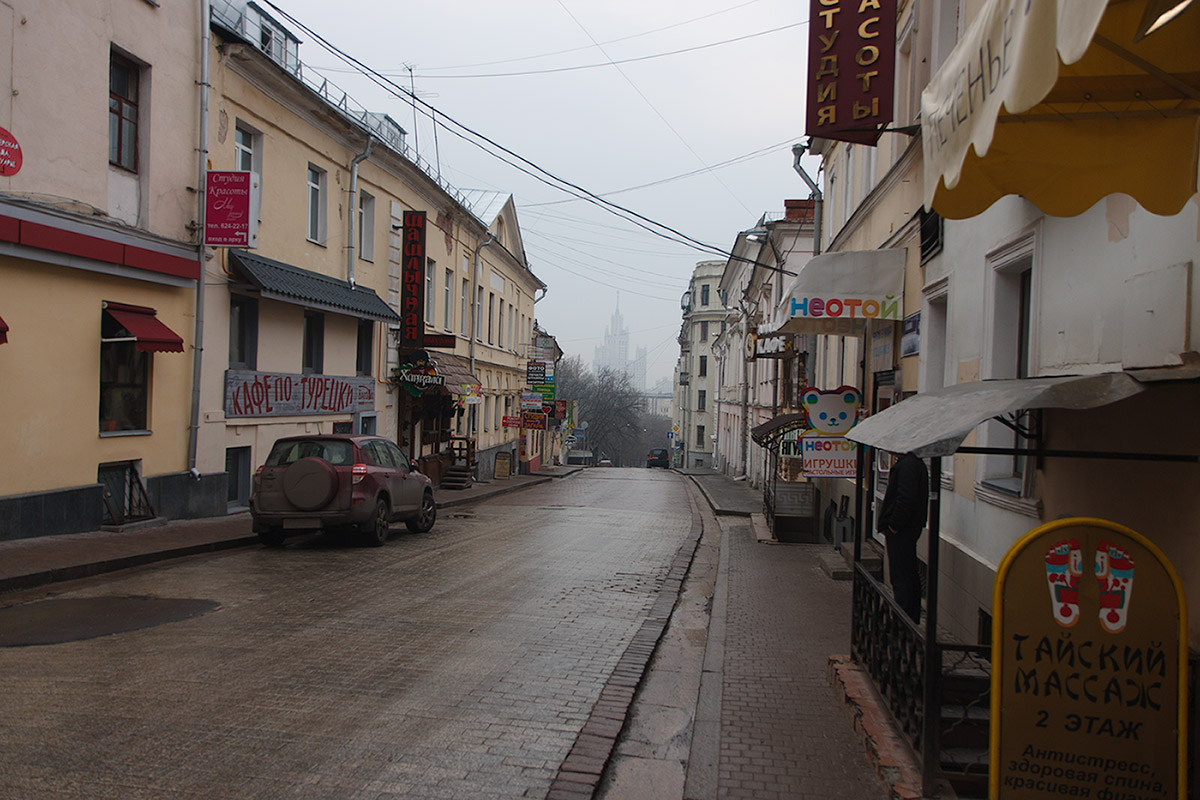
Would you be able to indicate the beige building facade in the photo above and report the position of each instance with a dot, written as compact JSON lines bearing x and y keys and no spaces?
{"x":98,"y":262}
{"x":165,"y":398}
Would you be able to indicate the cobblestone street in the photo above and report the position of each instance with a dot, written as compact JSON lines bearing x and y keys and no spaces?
{"x":458,"y":663}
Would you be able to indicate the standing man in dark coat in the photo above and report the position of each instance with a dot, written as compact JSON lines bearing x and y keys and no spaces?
{"x":902,"y":516}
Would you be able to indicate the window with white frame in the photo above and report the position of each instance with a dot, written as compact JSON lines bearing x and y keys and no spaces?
{"x":1010,"y":351}
{"x":465,"y":309}
{"x":366,"y":226}
{"x":448,"y":301}
{"x":512,"y":343}
{"x":935,"y":338}
{"x":316,"y":204}
{"x":500,"y":324}
{"x":248,"y":156}
{"x":478,"y":313}
{"x":430,"y":307}
{"x":491,"y":316}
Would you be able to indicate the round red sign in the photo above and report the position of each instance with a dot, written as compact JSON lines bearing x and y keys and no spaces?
{"x":10,"y":154}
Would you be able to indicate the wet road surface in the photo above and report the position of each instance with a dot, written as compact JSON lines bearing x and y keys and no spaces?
{"x":454,"y":664}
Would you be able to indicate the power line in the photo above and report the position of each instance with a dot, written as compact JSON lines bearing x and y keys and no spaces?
{"x":735,"y":160}
{"x":550,"y":179}
{"x":610,"y":63}
{"x":610,"y":41}
{"x":655,"y":109}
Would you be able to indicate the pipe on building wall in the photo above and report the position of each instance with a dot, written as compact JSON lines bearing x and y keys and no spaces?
{"x":201,"y":248}
{"x":818,"y":199}
{"x":352,"y":211}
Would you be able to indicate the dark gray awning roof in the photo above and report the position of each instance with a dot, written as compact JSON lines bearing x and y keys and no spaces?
{"x":774,"y":428}
{"x":455,"y":370}
{"x":278,"y":281}
{"x":935,"y":423}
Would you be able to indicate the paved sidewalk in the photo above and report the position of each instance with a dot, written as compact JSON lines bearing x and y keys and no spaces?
{"x":29,"y":563}
{"x":781,"y":711}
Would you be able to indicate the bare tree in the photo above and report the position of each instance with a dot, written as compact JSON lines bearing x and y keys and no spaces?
{"x":610,"y":405}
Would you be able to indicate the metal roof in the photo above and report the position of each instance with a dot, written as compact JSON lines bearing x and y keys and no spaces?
{"x":278,"y":281}
{"x":935,"y":423}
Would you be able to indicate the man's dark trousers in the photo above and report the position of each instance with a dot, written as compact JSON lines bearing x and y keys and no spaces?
{"x":902,"y":569}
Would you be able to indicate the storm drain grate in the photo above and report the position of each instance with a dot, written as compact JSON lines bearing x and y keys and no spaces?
{"x":61,"y":620}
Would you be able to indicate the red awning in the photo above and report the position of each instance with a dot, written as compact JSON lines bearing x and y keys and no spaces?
{"x":152,"y":336}
{"x":3,"y":331}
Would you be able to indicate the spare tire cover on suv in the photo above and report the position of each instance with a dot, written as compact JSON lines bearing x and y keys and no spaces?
{"x":310,"y":483}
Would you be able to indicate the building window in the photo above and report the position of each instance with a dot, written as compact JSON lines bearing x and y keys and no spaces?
{"x":124,"y":380}
{"x":316,"y":204}
{"x":243,"y":148}
{"x":430,"y":271}
{"x":366,"y":226}
{"x":703,"y":371}
{"x":248,"y":157}
{"x":512,"y":313}
{"x":243,"y":332}
{"x":465,"y":310}
{"x":1011,"y":354}
{"x":313,"y":347}
{"x":448,"y":301}
{"x":701,"y":400}
{"x":366,"y":342}
{"x":478,"y":313}
{"x":931,"y":234}
{"x":491,"y":314}
{"x":704,"y":330}
{"x":699,"y":436}
{"x":704,"y":295}
{"x":500,"y":324}
{"x":124,"y":79}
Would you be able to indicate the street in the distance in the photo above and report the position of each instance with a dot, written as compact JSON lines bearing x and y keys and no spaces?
{"x":458,"y":663}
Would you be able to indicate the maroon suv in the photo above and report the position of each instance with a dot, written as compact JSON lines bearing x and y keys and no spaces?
{"x":360,"y":483}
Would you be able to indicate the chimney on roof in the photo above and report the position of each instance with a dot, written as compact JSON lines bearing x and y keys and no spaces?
{"x":799,"y":210}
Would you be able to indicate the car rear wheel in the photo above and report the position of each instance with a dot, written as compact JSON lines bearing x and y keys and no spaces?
{"x":272,"y":537}
{"x":425,"y":518}
{"x":375,"y":532}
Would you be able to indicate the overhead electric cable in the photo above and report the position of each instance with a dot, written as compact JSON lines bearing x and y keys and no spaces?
{"x":550,"y":179}
{"x":610,"y":41}
{"x":632,"y":60}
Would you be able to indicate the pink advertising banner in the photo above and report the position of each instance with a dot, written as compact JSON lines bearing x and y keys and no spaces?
{"x":227,"y":209}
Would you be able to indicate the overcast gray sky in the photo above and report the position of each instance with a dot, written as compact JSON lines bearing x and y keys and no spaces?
{"x":538,"y":77}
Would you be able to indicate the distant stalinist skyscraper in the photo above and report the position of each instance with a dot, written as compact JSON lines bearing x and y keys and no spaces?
{"x":613,"y":353}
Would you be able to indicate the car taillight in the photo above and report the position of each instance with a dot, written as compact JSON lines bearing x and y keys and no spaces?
{"x":358,"y":472}
{"x":258,"y":475}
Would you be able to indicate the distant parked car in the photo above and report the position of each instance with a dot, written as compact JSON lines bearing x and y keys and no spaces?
{"x":355,"y":483}
{"x":604,"y":462}
{"x":658,"y":457}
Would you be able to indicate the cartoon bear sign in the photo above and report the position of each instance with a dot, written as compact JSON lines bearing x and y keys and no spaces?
{"x":824,"y":448}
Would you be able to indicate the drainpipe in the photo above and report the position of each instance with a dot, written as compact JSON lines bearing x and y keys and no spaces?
{"x":475,"y":295}
{"x":353,"y":211}
{"x":202,"y":171}
{"x":818,"y":199}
